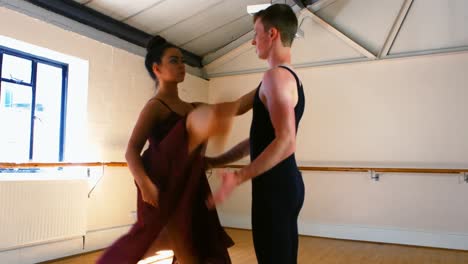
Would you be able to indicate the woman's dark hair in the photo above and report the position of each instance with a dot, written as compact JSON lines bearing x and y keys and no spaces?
{"x":155,"y":51}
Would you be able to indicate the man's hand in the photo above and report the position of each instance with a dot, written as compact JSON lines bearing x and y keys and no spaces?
{"x":230,"y":180}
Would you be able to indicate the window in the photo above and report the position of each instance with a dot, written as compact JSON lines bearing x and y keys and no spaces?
{"x":33,"y":92}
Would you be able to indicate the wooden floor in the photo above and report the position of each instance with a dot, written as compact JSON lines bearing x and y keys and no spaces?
{"x":327,"y":251}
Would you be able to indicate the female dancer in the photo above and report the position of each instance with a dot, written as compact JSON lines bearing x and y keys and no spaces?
{"x":170,"y":179}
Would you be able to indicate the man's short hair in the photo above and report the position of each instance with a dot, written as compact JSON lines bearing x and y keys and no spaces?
{"x":281,"y":17}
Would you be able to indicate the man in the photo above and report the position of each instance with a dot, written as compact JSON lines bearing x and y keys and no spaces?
{"x":278,"y":105}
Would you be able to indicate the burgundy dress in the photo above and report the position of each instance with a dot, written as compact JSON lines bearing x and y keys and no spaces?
{"x":182,"y":222}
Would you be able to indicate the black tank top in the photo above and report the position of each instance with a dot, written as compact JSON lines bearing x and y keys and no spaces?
{"x":262,"y":132}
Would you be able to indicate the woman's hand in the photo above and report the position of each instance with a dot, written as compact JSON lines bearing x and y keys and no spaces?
{"x":149,"y":193}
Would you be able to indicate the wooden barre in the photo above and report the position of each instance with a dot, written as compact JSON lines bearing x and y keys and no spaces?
{"x":367,"y":169}
{"x":235,"y":166}
{"x":61,"y":164}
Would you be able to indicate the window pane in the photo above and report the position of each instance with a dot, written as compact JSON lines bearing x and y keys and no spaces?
{"x":47,"y":113}
{"x":15,"y":117}
{"x":17,"y":69}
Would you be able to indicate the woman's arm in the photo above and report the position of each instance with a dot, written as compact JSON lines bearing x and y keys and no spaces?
{"x":246,"y":102}
{"x":152,"y":113}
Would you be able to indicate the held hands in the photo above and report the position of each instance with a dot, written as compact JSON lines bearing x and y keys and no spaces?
{"x":230,"y":180}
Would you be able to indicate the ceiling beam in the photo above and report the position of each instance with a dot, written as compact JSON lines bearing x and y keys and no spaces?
{"x":306,"y":3}
{"x":400,"y":19}
{"x":247,"y":37}
{"x":101,"y":22}
{"x":339,"y":34}
{"x":317,"y":5}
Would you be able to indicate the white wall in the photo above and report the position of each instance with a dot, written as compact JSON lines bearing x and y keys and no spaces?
{"x":117,"y":88}
{"x":390,"y":113}
{"x":405,"y":112}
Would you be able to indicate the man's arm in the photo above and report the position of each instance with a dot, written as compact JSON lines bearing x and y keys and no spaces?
{"x":236,"y":153}
{"x":280,"y":97}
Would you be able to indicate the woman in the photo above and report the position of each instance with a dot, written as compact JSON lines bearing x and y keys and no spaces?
{"x":172,"y":187}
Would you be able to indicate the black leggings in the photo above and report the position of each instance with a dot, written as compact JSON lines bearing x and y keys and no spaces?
{"x":276,"y":203}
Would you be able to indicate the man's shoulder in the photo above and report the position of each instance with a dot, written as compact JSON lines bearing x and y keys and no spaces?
{"x":273,"y":71}
{"x":278,"y":76}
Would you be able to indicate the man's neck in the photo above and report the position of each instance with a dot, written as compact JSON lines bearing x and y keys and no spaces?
{"x":279,"y":56}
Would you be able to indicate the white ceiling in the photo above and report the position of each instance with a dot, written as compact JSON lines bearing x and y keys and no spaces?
{"x":336,"y":31}
{"x":199,"y":26}
{"x":348,"y":31}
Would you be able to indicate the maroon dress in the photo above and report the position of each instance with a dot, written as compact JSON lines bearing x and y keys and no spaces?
{"x":182,"y":222}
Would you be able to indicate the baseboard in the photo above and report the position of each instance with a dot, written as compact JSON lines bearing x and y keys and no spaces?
{"x":99,"y":239}
{"x":43,"y":252}
{"x":94,"y":240}
{"x":391,"y":235}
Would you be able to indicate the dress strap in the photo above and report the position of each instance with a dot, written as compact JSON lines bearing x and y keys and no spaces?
{"x":166,"y":105}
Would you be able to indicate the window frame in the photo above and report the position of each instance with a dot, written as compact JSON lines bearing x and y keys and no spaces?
{"x":63,"y":105}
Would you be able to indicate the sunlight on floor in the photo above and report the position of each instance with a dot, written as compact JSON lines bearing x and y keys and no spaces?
{"x":161,"y":257}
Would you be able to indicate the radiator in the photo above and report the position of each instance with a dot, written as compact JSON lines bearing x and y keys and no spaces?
{"x":40,"y":211}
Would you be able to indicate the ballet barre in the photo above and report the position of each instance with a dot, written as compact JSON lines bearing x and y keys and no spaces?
{"x":27,"y":165}
{"x":375,"y":172}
